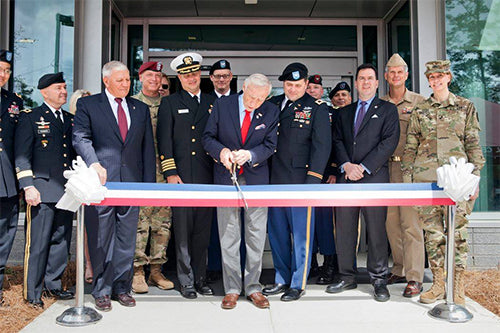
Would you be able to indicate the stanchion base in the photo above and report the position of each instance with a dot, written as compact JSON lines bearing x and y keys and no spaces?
{"x":78,"y":317}
{"x":452,"y":313}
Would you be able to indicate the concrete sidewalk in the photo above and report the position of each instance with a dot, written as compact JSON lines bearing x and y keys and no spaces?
{"x":317,"y":311}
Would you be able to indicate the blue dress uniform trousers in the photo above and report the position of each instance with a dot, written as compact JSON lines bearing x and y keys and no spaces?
{"x":323,"y":231}
{"x":292,"y":258}
{"x":9,"y":208}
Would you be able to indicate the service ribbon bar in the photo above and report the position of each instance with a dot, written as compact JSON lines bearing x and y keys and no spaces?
{"x":301,"y":195}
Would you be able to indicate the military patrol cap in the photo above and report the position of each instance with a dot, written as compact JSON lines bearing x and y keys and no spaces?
{"x":186,"y":63}
{"x":294,"y":72}
{"x":316,"y":79}
{"x":50,"y":79}
{"x":221,"y":64}
{"x":154,"y":66}
{"x":6,"y":56}
{"x":340,"y":86}
{"x":437,"y":66}
{"x":396,"y":60}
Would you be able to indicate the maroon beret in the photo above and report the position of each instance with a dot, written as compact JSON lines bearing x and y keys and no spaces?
{"x":154,"y":66}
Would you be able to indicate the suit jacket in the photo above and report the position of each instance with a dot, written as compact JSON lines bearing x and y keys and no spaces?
{"x":9,"y":112}
{"x":231,"y":92}
{"x":43,"y":151}
{"x":181,"y":122}
{"x":223,"y":130}
{"x":304,"y":141}
{"x":96,"y":138}
{"x":374,"y":143}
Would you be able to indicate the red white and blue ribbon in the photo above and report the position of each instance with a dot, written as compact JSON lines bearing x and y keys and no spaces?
{"x":300,"y":195}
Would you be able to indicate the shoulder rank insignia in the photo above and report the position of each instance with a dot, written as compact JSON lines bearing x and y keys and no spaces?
{"x":320,"y":101}
{"x":19,"y":95}
{"x":26,"y":110}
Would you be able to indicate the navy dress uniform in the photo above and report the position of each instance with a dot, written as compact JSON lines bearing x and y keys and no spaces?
{"x":304,"y":143}
{"x":43,"y":150}
{"x":11,"y":104}
{"x":181,"y":122}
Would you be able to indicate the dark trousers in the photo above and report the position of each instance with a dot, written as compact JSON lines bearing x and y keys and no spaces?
{"x":346,"y":224}
{"x":323,"y":231}
{"x":111,"y":233}
{"x":48,"y":239}
{"x":9,"y":208}
{"x":192,"y":235}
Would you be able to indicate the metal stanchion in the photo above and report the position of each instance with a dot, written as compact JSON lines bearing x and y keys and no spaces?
{"x":450,"y":311}
{"x":79,"y":315}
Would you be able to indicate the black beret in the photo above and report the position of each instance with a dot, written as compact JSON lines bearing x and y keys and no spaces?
{"x":340,"y":86}
{"x":6,"y":56}
{"x":316,"y":79}
{"x":221,"y":64}
{"x":49,"y":79}
{"x":294,"y":72}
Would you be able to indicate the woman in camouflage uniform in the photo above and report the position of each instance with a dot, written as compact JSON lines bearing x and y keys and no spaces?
{"x":442,"y":126}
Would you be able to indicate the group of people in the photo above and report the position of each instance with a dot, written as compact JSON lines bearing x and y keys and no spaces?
{"x":224,"y":137}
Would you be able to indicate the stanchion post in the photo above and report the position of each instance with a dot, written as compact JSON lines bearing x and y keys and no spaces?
{"x":79,"y":315}
{"x":450,"y":311}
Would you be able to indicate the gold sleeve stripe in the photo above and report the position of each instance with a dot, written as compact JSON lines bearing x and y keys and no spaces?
{"x":168,"y":164}
{"x":315,"y":174}
{"x":24,"y":173}
{"x":164,"y":168}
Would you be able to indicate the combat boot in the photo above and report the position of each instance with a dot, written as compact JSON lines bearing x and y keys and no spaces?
{"x":437,"y":291}
{"x":139,"y":285}
{"x":156,"y":278}
{"x":459,"y":287}
{"x":327,"y":273}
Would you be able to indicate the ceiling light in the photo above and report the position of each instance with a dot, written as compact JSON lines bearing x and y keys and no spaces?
{"x":251,"y":2}
{"x":191,"y":38}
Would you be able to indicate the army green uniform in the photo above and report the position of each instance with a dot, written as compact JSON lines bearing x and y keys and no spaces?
{"x":438,"y":131}
{"x":404,"y":228}
{"x":154,"y":222}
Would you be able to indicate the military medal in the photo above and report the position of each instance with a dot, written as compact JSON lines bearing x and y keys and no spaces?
{"x":43,"y":127}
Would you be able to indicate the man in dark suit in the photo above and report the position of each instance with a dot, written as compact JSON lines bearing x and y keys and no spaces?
{"x":181,"y":121}
{"x":221,"y":76}
{"x":365,"y":136}
{"x":10,"y":104}
{"x":43,"y":150}
{"x":113,"y":135}
{"x":304,"y":144}
{"x":242,"y":131}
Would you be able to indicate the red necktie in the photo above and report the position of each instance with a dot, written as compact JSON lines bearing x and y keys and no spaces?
{"x":245,"y":126}
{"x":122,"y":119}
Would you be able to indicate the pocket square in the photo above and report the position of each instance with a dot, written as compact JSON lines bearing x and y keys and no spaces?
{"x":374,"y":116}
{"x":261,"y":126}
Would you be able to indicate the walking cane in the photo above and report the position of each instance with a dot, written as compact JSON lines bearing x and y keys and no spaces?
{"x":79,"y":315}
{"x":450,"y":311}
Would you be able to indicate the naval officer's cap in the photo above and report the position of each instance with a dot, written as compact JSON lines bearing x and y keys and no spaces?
{"x":186,"y":63}
{"x":294,"y":72}
{"x":50,"y":79}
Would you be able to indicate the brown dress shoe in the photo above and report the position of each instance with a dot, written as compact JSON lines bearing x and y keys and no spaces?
{"x":393,"y":278}
{"x":124,"y":299}
{"x":413,"y":288}
{"x":259,"y":300}
{"x":103,"y":303}
{"x":229,"y":301}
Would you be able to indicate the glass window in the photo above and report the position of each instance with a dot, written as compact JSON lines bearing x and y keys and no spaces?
{"x":252,"y":37}
{"x":43,"y":43}
{"x":472,"y":48}
{"x":370,"y":45}
{"x":399,"y":39}
{"x":135,"y":56}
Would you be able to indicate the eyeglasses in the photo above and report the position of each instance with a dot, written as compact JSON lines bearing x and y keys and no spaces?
{"x":221,"y":76}
{"x":5,"y":71}
{"x":164,"y":86}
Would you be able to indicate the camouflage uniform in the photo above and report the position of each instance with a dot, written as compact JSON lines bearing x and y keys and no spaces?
{"x":156,"y":219}
{"x":404,"y":229}
{"x":437,"y":131}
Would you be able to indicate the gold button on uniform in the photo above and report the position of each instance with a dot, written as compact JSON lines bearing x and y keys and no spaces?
{"x":64,"y":145}
{"x":64,"y":155}
{"x":65,"y":165}
{"x":193,"y":153}
{"x":1,"y":139}
{"x":193,"y":140}
{"x":192,"y":127}
{"x":1,"y":149}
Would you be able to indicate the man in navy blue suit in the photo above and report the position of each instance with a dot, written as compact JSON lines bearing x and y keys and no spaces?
{"x":366,"y":134}
{"x":242,"y":131}
{"x":113,"y":134}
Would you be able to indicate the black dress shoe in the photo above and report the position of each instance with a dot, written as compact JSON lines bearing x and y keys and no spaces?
{"x":203,"y":288}
{"x":35,"y":303}
{"x":103,"y":303}
{"x":381,"y":293}
{"x":60,"y":294}
{"x":292,"y":294}
{"x":340,"y":285}
{"x":188,"y":292}
{"x":275,"y":289}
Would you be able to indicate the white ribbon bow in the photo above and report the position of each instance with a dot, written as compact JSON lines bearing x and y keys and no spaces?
{"x":83,"y":187}
{"x":457,"y":179}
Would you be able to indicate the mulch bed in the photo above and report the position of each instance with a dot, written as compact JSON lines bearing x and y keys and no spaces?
{"x":481,"y":286}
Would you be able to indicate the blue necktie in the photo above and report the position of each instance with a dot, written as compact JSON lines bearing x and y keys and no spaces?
{"x":359,"y":119}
